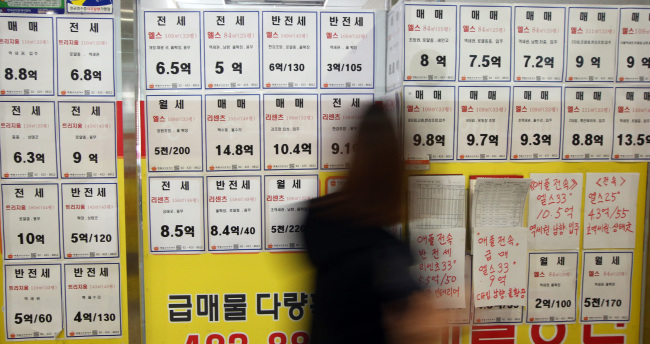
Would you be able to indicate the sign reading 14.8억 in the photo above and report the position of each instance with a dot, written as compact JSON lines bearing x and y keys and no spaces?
{"x":30,"y":221}
{"x":26,"y":56}
{"x":174,"y":133}
{"x":633,"y":41}
{"x":176,"y":214}
{"x":28,"y":140}
{"x":92,"y":300}
{"x":235,"y":213}
{"x":87,"y":136}
{"x":173,"y":50}
{"x":588,"y":123}
{"x":483,"y":122}
{"x":632,"y":123}
{"x":232,"y":126}
{"x":536,"y":123}
{"x":286,"y":207}
{"x":430,"y":42}
{"x":606,"y":286}
{"x":289,"y":49}
{"x":347,"y":42}
{"x":33,"y":301}
{"x":85,"y":57}
{"x":90,"y":220}
{"x":429,"y":122}
{"x":552,"y":287}
{"x":232,"y":49}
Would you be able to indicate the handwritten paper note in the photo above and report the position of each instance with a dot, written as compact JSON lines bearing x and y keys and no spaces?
{"x":437,"y":201}
{"x":610,"y":210}
{"x":554,"y":211}
{"x":500,"y":266}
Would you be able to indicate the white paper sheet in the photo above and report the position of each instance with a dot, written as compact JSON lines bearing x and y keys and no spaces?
{"x":437,"y":201}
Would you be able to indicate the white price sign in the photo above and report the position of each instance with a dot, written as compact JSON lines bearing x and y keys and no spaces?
{"x":633,"y":41}
{"x":485,"y":43}
{"x":483,"y":122}
{"x":289,"y":57}
{"x":85,"y":57}
{"x":33,"y":301}
{"x":536,"y":123}
{"x":286,"y":207}
{"x":87,"y":132}
{"x":346,"y":42}
{"x":30,"y":221}
{"x":234,"y":213}
{"x":429,"y":122}
{"x":26,"y":56}
{"x":232,"y":49}
{"x":174,"y":133}
{"x":552,"y":287}
{"x":90,"y":220}
{"x":588,"y":123}
{"x":394,"y":47}
{"x":93,"y":302}
{"x":176,"y":214}
{"x":172,"y":50}
{"x":539,"y":43}
{"x":28,"y":140}
{"x":591,"y":44}
{"x":233,"y":125}
{"x":430,"y":42}
{"x":632,"y":124}
{"x":290,"y":131}
{"x":606,"y":286}
{"x":340,"y":117}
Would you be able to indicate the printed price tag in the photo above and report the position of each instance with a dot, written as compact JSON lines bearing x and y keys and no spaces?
{"x":610,"y":210}
{"x":536,"y":123}
{"x":289,"y":49}
{"x":588,"y":123}
{"x":591,"y":45}
{"x":87,"y":132}
{"x":430,"y":42}
{"x":463,"y":315}
{"x":290,"y":131}
{"x":33,"y":296}
{"x":28,"y":140}
{"x":552,"y":287}
{"x":232,"y":49}
{"x":30,"y":221}
{"x":85,"y":57}
{"x":93,"y":301}
{"x":429,"y":122}
{"x":90,"y":220}
{"x":633,"y":40}
{"x":483,"y":122}
{"x":606,"y":286}
{"x":346,"y":39}
{"x":632,"y":124}
{"x":498,"y":314}
{"x":485,"y":43}
{"x":176,"y":214}
{"x":26,"y":56}
{"x":499,"y":266}
{"x":554,"y":211}
{"x":285,"y":209}
{"x":334,"y":184}
{"x":394,"y":47}
{"x":339,"y":120}
{"x":539,"y":43}
{"x":172,"y":50}
{"x":174,"y":133}
{"x":234,"y":213}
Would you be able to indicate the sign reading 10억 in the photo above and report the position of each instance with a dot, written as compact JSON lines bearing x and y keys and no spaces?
{"x":90,"y":220}
{"x":235,"y":213}
{"x":30,"y":221}
{"x":286,"y":207}
{"x":632,"y":124}
{"x":588,"y":123}
{"x":87,"y":132}
{"x":483,"y":122}
{"x":536,"y":123}
{"x":92,"y":300}
{"x":552,"y":287}
{"x":34,"y":300}
{"x":176,"y":214}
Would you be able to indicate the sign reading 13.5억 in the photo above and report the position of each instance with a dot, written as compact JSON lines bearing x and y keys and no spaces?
{"x":606,"y":286}
{"x":30,"y":221}
{"x":632,"y":124}
{"x":588,"y":123}
{"x":235,"y":213}
{"x":552,"y":287}
{"x":87,"y":136}
{"x":85,"y":58}
{"x":26,"y":56}
{"x":536,"y":123}
{"x":633,"y":41}
{"x":429,"y":122}
{"x":176,"y":214}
